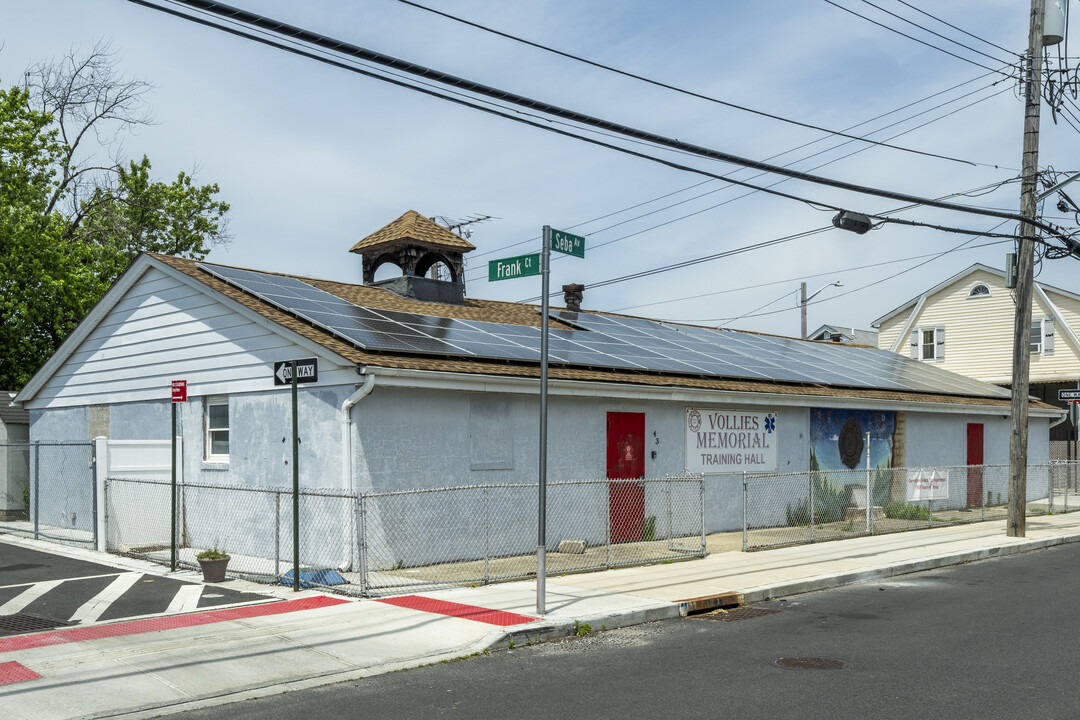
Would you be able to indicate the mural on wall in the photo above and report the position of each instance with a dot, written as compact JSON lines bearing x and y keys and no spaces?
{"x":838,"y":446}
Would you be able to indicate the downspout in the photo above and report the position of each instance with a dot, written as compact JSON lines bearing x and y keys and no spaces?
{"x":346,"y":452}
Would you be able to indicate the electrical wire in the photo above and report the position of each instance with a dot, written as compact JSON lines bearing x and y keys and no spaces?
{"x":791,"y":280}
{"x":479,"y":273}
{"x":505,"y":96}
{"x":696,"y":261}
{"x":658,"y":83}
{"x":910,"y":37}
{"x":837,"y":296}
{"x":773,"y":157}
{"x":943,"y":37}
{"x":750,"y":313}
{"x":686,"y":263}
{"x":943,"y":22}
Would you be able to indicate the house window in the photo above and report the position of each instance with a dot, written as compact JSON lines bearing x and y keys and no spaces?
{"x":217,"y":428}
{"x":979,"y":290}
{"x":1042,"y":336}
{"x":928,"y":343}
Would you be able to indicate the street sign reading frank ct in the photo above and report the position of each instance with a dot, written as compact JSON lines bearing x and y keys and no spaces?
{"x":514,"y":267}
{"x":307,"y":371}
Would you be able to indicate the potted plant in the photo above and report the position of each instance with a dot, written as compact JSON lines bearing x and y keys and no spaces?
{"x":213,"y":562}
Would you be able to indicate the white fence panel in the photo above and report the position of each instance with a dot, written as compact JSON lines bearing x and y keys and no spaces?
{"x":128,"y":524}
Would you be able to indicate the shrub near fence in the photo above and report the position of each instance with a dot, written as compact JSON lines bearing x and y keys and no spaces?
{"x":382,"y":542}
{"x":793,"y":508}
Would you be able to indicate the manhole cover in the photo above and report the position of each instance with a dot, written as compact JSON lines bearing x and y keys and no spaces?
{"x":739,"y":613}
{"x":810,"y":663}
{"x":25,"y":623}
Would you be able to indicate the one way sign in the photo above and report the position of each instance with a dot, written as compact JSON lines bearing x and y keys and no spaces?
{"x":307,"y":371}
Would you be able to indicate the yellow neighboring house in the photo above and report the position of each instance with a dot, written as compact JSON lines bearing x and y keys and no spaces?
{"x":965,"y":325}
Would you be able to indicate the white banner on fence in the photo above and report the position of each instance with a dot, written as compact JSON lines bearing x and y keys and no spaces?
{"x":724,"y":441}
{"x":927,"y":484}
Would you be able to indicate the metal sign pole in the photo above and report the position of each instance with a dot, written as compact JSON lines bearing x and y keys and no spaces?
{"x":295,"y":487}
{"x":172,"y":494}
{"x":541,"y":541}
{"x":869,"y":492}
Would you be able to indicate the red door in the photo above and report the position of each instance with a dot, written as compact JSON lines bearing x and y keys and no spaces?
{"x":974,"y":457}
{"x":626,"y":459}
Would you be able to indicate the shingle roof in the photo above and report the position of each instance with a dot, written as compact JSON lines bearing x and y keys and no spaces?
{"x":414,"y":229}
{"x":11,"y":415}
{"x":519,"y":314}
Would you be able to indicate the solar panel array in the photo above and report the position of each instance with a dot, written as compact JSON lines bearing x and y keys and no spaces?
{"x":604,"y":341}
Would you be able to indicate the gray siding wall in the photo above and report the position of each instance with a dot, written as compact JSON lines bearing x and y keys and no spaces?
{"x":167,"y":327}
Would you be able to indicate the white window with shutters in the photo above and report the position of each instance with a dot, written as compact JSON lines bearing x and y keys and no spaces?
{"x":928,"y":343}
{"x":1042,"y":336}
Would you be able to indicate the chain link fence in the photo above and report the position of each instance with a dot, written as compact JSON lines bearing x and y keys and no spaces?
{"x":47,"y":491}
{"x":486,"y":533}
{"x":383,"y":542}
{"x":796,"y":508}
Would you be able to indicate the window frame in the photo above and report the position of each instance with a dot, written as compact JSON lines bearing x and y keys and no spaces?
{"x":1045,"y":344}
{"x":208,"y":432}
{"x":920,"y":347}
{"x":972,"y":295}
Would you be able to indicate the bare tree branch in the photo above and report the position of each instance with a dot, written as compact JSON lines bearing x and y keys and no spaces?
{"x":86,"y":94}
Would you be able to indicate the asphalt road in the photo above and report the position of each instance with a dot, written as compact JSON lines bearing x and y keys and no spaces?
{"x":995,"y":639}
{"x":38,"y":587}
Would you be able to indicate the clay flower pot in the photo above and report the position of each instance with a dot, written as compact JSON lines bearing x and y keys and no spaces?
{"x":213,"y":569}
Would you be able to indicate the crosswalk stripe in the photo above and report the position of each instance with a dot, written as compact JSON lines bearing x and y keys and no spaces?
{"x":70,"y":579}
{"x":93,"y":608}
{"x":186,"y":599}
{"x":27,"y":596}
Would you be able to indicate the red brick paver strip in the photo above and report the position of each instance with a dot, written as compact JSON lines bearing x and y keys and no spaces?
{"x":453,"y":609}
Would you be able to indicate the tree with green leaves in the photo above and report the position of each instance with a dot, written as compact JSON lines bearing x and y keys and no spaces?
{"x":70,"y":221}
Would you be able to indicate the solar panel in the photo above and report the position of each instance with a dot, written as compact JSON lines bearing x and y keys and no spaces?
{"x":728,"y":353}
{"x":414,"y":333}
{"x":606,"y":341}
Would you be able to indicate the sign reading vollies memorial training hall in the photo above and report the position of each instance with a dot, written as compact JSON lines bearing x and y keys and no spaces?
{"x":725,"y":441}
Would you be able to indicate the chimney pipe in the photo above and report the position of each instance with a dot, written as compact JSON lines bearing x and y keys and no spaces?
{"x":572,"y":296}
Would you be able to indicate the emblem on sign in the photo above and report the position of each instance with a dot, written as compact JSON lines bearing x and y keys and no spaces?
{"x":693,"y":420}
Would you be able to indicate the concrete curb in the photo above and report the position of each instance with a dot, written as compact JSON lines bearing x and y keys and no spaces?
{"x":825,"y":582}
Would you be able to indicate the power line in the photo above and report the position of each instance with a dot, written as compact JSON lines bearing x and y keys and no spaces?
{"x":664,"y":85}
{"x":696,"y":261}
{"x":774,"y":184}
{"x":794,"y":279}
{"x":943,"y":37}
{"x":935,"y":17}
{"x":772,"y":157}
{"x":910,"y":37}
{"x":877,"y":282}
{"x":686,"y":263}
{"x":581,"y":118}
{"x":750,"y":313}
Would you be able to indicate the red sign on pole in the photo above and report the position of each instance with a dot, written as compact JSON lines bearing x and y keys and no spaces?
{"x":179,"y":391}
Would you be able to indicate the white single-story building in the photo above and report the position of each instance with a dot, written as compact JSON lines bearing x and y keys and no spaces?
{"x":420,"y":386}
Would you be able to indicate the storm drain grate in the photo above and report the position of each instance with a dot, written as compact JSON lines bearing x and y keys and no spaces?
{"x":26,"y":623}
{"x":810,"y":663}
{"x":739,"y":613}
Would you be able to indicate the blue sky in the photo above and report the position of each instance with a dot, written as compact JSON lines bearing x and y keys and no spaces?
{"x":313,"y":158}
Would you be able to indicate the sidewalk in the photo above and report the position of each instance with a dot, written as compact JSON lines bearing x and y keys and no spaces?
{"x":153,"y":667}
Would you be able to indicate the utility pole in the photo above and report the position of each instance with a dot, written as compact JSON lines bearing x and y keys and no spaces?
{"x":802,"y":309}
{"x":1018,"y":438}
